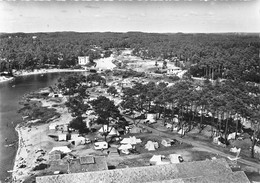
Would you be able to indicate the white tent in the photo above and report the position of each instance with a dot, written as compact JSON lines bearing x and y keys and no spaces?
{"x":257,"y":149}
{"x":74,"y":136}
{"x":125,"y":146}
{"x":156,"y":145}
{"x":151,"y":118}
{"x":52,"y":126}
{"x":112,"y":131}
{"x":175,"y":128}
{"x":78,"y":141}
{"x":131,"y":140}
{"x":155,"y":159}
{"x":62,"y":137}
{"x":63,"y":149}
{"x":235,"y":150}
{"x":175,"y":120}
{"x":232,"y":135}
{"x":150,"y":146}
{"x":166,"y":143}
{"x":181,"y":131}
{"x":174,"y":158}
{"x":169,"y":125}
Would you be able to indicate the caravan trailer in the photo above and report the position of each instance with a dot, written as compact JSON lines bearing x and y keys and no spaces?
{"x":100,"y":145}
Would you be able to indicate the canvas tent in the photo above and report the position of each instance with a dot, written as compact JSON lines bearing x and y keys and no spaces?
{"x":169,"y":125}
{"x":181,"y":131}
{"x":235,"y":150}
{"x":151,"y":118}
{"x":150,"y":146}
{"x":52,"y":126}
{"x":62,"y":137}
{"x":74,"y":136}
{"x":63,"y":149}
{"x":78,"y":141}
{"x":125,"y":146}
{"x":232,"y":136}
{"x":155,"y":159}
{"x":136,"y":129}
{"x":131,"y":140}
{"x":112,"y":131}
{"x":166,"y":142}
{"x":257,"y":149}
{"x":174,"y":158}
{"x":175,"y":120}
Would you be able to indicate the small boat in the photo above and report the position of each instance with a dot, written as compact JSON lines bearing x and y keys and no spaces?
{"x":42,"y":75}
{"x":13,"y":86}
{"x":10,"y":171}
{"x":9,"y":145}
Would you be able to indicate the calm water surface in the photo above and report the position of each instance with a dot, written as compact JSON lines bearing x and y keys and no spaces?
{"x":10,"y":95}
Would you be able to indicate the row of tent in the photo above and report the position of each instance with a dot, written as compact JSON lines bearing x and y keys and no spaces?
{"x":157,"y":159}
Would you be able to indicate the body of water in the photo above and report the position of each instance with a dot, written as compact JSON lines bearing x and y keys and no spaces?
{"x":10,"y":95}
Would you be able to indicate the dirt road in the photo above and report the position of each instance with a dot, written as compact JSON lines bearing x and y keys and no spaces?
{"x":200,"y":145}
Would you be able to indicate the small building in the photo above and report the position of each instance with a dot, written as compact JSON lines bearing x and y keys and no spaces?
{"x":83,"y":60}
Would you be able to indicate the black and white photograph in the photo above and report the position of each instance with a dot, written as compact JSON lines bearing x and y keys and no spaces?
{"x":129,"y":91}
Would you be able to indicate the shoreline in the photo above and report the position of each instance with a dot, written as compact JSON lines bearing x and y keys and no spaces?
{"x":34,"y":143}
{"x":35,"y":72}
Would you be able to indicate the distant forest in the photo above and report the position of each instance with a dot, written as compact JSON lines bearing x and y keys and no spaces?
{"x":227,"y":56}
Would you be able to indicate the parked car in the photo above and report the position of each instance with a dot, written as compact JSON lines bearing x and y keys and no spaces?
{"x":180,"y":159}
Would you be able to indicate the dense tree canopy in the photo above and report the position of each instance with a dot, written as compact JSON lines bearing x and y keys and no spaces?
{"x":229,"y":56}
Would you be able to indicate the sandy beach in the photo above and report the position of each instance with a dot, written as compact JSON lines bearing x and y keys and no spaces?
{"x":4,"y":79}
{"x":35,"y":144}
{"x":103,"y":63}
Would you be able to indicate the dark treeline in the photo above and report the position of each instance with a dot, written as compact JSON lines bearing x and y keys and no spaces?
{"x":224,"y":106}
{"x":228,"y":56}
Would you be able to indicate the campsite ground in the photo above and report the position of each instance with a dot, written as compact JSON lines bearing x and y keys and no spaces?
{"x":202,"y":143}
{"x":194,"y":146}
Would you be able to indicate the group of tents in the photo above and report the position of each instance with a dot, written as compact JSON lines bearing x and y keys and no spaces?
{"x":128,"y":144}
{"x":161,"y":160}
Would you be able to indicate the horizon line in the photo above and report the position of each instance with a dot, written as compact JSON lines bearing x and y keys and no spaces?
{"x":179,"y":32}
